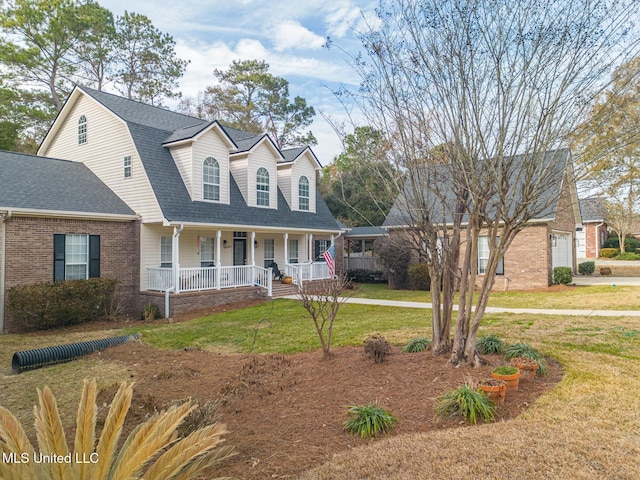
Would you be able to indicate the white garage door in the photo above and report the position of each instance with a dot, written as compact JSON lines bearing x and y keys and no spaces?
{"x":561,"y":249}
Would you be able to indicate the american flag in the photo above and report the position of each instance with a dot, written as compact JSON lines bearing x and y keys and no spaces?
{"x":329,"y":256}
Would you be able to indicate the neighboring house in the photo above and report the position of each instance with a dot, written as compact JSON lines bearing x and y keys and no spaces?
{"x":545,"y":243}
{"x":58,"y":221}
{"x":359,"y":250}
{"x":594,"y":231}
{"x":217,"y":205}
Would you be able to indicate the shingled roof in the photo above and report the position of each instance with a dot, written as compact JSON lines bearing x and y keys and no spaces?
{"x":442,"y":204}
{"x":30,"y":182}
{"x":152,"y":127}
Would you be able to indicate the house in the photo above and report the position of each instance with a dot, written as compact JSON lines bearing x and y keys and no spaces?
{"x":217,"y":206}
{"x":545,"y":243}
{"x":593,"y":232}
{"x":59,"y":221}
{"x":359,"y":249}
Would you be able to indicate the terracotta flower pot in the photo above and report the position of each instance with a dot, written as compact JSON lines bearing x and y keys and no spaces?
{"x":287,"y":280}
{"x":512,"y":380}
{"x":494,"y":389}
{"x":527,"y":367}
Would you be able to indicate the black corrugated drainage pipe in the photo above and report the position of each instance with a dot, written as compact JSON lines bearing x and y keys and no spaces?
{"x":39,"y":357}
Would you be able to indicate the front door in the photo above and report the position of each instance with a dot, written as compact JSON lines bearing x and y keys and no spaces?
{"x":239,"y":251}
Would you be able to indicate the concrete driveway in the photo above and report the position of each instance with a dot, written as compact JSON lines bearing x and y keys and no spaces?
{"x":599,"y":280}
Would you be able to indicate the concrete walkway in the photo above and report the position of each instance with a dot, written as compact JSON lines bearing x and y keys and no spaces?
{"x":535,"y":311}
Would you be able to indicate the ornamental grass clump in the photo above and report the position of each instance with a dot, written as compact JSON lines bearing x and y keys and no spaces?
{"x":376,"y":346}
{"x":490,"y":344}
{"x":525,"y":350}
{"x":468,"y":403}
{"x":416,"y":345}
{"x":152,"y":450}
{"x":368,"y":421}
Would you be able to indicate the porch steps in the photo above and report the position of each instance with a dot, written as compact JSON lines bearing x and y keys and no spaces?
{"x":281,"y":290}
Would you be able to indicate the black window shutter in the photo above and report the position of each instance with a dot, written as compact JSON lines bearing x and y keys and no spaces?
{"x":316,"y":250}
{"x":58,"y":256}
{"x":94,"y":256}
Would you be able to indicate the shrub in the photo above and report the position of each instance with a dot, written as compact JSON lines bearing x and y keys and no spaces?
{"x":562,"y":275}
{"x":360,"y":275}
{"x":150,"y":312}
{"x":609,"y":252}
{"x":419,"y":274}
{"x":369,"y":420}
{"x":417,"y":345}
{"x":587,"y":268}
{"x":468,"y":403}
{"x":630,"y":243}
{"x":150,"y":451}
{"x":54,"y":304}
{"x":527,"y":351}
{"x":395,"y":255}
{"x":376,"y":346}
{"x":627,"y":256}
{"x":490,"y":344}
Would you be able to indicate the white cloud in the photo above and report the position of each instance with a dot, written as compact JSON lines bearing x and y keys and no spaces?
{"x":290,"y":35}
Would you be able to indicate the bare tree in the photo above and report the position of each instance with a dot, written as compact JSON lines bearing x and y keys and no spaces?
{"x":477,"y":99}
{"x":322,"y":299}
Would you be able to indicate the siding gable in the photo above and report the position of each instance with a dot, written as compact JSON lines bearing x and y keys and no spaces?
{"x":108,"y":143}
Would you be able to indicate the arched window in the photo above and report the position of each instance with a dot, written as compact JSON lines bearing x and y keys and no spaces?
{"x":211,"y":179}
{"x":82,"y":130}
{"x":303,"y":193}
{"x":262,"y":187}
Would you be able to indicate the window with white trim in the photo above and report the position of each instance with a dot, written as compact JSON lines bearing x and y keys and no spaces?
{"x":303,"y":193}
{"x":293,"y":251}
{"x":483,"y":256}
{"x":269,"y":252}
{"x":262,"y":187}
{"x":76,"y":256}
{"x":127,"y":166}
{"x":166,"y":252}
{"x":211,"y":179}
{"x":82,"y":130}
{"x":207,"y":252}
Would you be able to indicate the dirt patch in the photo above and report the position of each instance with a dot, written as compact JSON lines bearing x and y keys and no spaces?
{"x":285,"y":412}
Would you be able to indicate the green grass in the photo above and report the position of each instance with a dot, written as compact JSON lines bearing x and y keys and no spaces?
{"x":283,"y":328}
{"x":592,"y":297}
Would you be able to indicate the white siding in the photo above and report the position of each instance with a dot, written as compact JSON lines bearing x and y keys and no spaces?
{"x":238,"y":168}
{"x":182,"y":156}
{"x":211,"y":144}
{"x":108,"y":142}
{"x":304,"y":166}
{"x":150,"y":249}
{"x":262,"y":157}
{"x":284,"y":182}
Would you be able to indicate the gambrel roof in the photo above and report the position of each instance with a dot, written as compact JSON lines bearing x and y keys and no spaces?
{"x":152,"y":128}
{"x":35,"y":184}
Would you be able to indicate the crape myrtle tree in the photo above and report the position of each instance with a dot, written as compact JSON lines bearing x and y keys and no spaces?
{"x":477,"y":99}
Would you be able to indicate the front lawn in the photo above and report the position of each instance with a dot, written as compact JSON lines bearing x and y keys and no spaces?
{"x":592,"y":297}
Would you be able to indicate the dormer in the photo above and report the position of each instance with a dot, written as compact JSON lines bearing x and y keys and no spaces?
{"x":201,"y":153}
{"x":297,"y":178}
{"x":254,"y":168}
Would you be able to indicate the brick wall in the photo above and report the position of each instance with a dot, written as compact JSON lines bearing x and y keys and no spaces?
{"x":565,"y":217}
{"x":29,"y":253}
{"x":592,"y":238}
{"x":186,"y":301}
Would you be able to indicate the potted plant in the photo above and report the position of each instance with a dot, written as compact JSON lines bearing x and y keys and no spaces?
{"x":494,"y":389}
{"x":509,"y":374}
{"x":527,"y":367}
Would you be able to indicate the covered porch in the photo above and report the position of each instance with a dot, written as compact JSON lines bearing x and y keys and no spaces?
{"x":181,"y":258}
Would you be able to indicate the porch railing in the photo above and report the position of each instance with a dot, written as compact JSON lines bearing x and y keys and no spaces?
{"x":302,"y":272}
{"x":362,"y":263}
{"x":193,"y":279}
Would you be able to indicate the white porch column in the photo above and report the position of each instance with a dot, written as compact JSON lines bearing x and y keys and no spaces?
{"x":218,"y":259}
{"x":175,"y":258}
{"x":310,"y":254}
{"x":253,"y":258}
{"x":286,"y":248}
